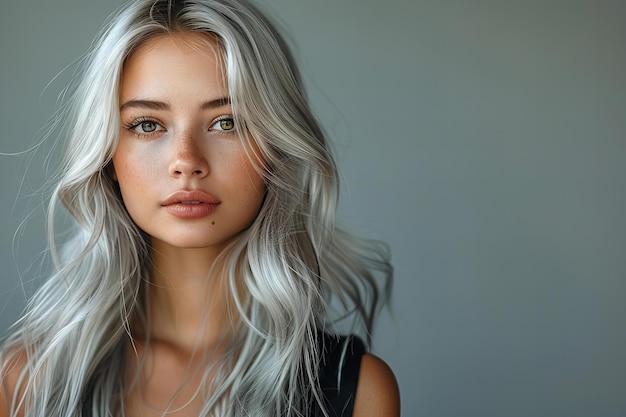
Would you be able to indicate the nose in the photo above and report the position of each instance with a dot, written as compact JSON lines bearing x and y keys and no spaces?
{"x":188,"y":159}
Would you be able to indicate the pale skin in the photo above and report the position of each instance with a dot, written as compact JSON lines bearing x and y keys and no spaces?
{"x":176,"y":136}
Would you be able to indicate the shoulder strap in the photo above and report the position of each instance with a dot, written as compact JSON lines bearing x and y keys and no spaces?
{"x":339,"y":373}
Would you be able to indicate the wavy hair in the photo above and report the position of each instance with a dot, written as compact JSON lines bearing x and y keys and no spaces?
{"x":301,"y":274}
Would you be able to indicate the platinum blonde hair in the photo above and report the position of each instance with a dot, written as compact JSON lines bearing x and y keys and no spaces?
{"x":301,"y":273}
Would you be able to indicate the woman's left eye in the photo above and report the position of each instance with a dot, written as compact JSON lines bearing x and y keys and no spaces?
{"x":225,"y":124}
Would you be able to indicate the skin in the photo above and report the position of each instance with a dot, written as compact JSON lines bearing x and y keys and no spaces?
{"x":171,"y":140}
{"x":177,"y":134}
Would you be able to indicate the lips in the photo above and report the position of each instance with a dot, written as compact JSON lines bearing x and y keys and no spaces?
{"x":190,"y":197}
{"x":190,"y":204}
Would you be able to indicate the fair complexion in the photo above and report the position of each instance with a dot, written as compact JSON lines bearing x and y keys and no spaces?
{"x":187,"y":181}
{"x":184,"y":174}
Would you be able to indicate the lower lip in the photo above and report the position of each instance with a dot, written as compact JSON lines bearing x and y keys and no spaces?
{"x":191,"y":211}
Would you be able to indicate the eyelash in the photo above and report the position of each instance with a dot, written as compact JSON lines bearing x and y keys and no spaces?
{"x":132,"y":126}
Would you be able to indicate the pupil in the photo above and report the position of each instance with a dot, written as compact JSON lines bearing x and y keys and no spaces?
{"x":149,"y":126}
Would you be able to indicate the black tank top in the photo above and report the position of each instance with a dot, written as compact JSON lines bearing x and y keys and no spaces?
{"x":339,"y":374}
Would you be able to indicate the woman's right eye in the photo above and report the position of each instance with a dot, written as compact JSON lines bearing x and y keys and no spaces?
{"x":147,"y":127}
{"x":144,"y":127}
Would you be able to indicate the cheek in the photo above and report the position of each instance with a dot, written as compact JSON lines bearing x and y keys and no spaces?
{"x":132,"y":164}
{"x":249,"y":179}
{"x":133,"y":175}
{"x":242,"y":185}
{"x":257,"y":190}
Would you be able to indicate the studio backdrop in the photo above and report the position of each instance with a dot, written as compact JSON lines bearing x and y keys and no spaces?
{"x":485,"y":141}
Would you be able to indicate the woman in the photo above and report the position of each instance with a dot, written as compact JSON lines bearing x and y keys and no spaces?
{"x":205,"y":268}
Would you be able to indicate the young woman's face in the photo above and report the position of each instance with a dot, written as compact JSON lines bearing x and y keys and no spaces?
{"x":183,"y":172}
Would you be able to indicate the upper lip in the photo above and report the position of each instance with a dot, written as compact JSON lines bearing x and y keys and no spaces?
{"x":186,"y":196}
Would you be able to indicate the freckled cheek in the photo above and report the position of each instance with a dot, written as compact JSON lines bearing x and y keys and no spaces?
{"x":135,"y":173}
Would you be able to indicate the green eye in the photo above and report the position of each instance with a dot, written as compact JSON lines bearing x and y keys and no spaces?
{"x":225,"y":124}
{"x":148,"y":127}
{"x":144,"y":126}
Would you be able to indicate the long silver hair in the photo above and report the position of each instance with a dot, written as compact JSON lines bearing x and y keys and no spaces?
{"x":301,"y":273}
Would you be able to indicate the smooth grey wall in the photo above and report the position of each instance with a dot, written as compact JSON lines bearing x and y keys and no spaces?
{"x":484,"y":140}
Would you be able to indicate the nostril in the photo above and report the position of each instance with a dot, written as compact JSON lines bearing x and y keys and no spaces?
{"x":188,"y":164}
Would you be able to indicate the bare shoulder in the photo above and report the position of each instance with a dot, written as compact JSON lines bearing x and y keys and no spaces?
{"x":11,"y":367}
{"x":377,"y":392}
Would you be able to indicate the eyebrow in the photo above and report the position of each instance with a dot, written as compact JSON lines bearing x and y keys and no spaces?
{"x":161,"y":105}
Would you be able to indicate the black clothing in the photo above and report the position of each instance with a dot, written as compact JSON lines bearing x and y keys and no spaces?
{"x":339,"y":373}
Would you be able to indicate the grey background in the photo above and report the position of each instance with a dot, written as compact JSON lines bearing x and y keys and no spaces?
{"x":484,"y":140}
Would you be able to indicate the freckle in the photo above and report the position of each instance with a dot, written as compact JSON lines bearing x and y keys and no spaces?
{"x":212,"y":222}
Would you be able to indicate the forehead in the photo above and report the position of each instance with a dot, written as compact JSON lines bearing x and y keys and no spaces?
{"x":174,"y":60}
{"x":185,"y":41}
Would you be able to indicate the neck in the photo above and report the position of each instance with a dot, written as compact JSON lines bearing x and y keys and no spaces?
{"x":187,"y":307}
